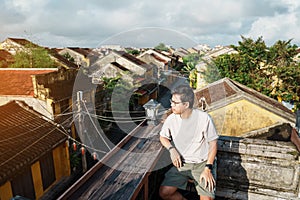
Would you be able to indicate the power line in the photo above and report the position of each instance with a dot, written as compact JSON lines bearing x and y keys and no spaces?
{"x":63,"y":114}
{"x":29,"y":146}
{"x":95,"y":126}
{"x":24,"y":133}
{"x":120,"y":118}
{"x":74,"y":140}
{"x":121,"y":111}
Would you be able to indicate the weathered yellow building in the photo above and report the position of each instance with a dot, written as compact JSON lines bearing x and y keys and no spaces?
{"x":34,"y":154}
{"x":237,"y":109}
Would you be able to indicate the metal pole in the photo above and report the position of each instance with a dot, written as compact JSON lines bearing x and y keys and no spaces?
{"x":80,"y":127}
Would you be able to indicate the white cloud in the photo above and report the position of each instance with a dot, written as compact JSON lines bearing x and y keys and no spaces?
{"x":278,"y":27}
{"x":215,"y":22}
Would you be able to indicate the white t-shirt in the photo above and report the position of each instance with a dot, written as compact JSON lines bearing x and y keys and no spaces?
{"x":190,"y":136}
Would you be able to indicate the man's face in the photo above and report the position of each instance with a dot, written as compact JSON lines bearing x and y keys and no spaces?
{"x":177,"y":105}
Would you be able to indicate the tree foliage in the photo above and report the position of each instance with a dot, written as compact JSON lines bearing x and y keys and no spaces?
{"x":69,"y":57}
{"x":161,"y":47}
{"x":269,"y":70}
{"x":134,"y":52}
{"x":33,"y":57}
{"x":119,"y":89}
{"x":190,"y":62}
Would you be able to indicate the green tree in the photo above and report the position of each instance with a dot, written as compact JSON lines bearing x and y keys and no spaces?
{"x":110,"y":84}
{"x":161,"y":47}
{"x":287,"y":71}
{"x":69,"y":57}
{"x":119,"y":88}
{"x":190,"y":62}
{"x":282,"y":53}
{"x":33,"y":57}
{"x":269,"y":70}
{"x":134,"y":52}
{"x":211,"y":72}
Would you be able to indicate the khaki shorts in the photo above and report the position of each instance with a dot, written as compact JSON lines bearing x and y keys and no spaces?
{"x":178,"y":177}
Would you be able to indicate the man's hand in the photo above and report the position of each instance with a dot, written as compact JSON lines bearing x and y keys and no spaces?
{"x":175,"y":157}
{"x":208,"y":179}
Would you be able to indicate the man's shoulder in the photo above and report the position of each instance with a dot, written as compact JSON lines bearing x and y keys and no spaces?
{"x":201,"y":112}
{"x":171,"y":116}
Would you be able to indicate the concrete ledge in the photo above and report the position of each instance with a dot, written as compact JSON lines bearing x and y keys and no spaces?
{"x":257,"y":169}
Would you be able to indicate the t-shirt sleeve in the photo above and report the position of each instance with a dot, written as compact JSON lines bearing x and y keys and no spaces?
{"x":165,"y":130}
{"x":212,"y":133}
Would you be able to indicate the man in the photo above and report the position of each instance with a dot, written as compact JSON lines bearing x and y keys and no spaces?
{"x":191,"y":138}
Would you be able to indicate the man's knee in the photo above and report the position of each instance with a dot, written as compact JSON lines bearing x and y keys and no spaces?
{"x":166,"y":191}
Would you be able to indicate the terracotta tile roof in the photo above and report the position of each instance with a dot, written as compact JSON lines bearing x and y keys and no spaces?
{"x":53,"y":52}
{"x":61,"y":59}
{"x":216,"y":92}
{"x":119,"y":66}
{"x":4,"y":55}
{"x":159,"y":58}
{"x":262,"y":97}
{"x":22,"y":41}
{"x":5,"y":58}
{"x":133,"y":59}
{"x":19,"y":81}
{"x":83,"y":51}
{"x":25,"y":136}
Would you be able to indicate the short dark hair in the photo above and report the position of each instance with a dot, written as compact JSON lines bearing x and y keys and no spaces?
{"x":186,"y":94}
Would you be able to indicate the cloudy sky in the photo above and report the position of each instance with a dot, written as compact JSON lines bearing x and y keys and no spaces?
{"x":91,"y":23}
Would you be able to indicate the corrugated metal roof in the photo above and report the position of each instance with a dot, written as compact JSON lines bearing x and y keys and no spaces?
{"x":25,"y":136}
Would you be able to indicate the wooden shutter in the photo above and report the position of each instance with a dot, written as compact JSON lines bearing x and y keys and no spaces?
{"x":22,"y":185}
{"x":47,"y":170}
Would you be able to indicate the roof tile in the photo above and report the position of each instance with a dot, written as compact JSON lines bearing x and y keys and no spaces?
{"x":19,"y":81}
{"x":25,"y":136}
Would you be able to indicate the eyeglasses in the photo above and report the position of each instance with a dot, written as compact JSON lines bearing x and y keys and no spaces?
{"x":174,"y":102}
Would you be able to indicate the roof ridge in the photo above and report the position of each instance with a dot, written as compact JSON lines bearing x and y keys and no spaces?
{"x":28,"y":69}
{"x":256,"y":94}
{"x":29,"y":108}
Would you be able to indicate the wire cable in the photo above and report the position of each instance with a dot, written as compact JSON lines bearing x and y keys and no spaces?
{"x":28,"y":147}
{"x":74,"y":140}
{"x":24,"y":133}
{"x":116,"y":121}
{"x":95,"y":126}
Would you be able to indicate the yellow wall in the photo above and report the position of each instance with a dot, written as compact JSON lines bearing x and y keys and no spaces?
{"x":62,"y":168}
{"x":61,"y":161}
{"x":241,"y":117}
{"x":149,"y":73}
{"x":37,"y":179}
{"x":5,"y":191}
